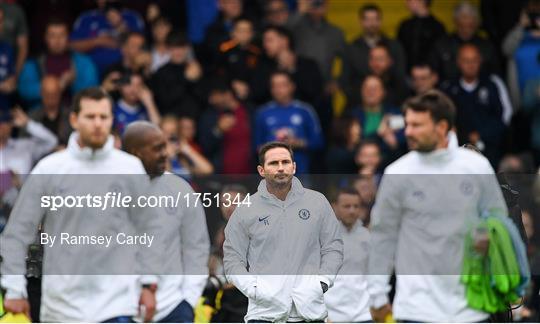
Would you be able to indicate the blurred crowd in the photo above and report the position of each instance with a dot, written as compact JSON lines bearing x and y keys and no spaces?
{"x":223,"y":77}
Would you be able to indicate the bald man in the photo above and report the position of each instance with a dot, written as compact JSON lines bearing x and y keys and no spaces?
{"x":183,"y":234}
{"x":483,"y":105}
{"x":53,"y":114}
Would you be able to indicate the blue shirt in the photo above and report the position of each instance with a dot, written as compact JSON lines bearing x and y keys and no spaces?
{"x":93,"y":24}
{"x":7,"y":69}
{"x":125,"y":114}
{"x":296,"y":119}
{"x":527,"y":58}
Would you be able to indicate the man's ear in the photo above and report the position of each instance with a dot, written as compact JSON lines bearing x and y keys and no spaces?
{"x":294,"y":168}
{"x":443,"y":128}
{"x":260,"y":169}
{"x":73,"y":120}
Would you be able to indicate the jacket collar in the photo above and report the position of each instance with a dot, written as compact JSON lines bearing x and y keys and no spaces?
{"x":297,"y":190}
{"x":442,"y":154}
{"x":86,"y":153}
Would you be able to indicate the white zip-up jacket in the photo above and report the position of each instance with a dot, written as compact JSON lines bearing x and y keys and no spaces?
{"x":78,"y":285}
{"x":277,"y":253}
{"x":425,"y":205}
{"x":184,"y":246}
{"x":348,"y":300}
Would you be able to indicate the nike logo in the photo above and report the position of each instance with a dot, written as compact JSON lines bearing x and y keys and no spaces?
{"x":263,"y":218}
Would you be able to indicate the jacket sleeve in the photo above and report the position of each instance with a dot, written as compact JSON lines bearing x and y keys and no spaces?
{"x":385,"y":225}
{"x":29,"y":83}
{"x":195,"y":252}
{"x":531,"y":96}
{"x":512,"y":40}
{"x":86,"y":73}
{"x":19,"y":233}
{"x":43,"y":140}
{"x":491,"y":198}
{"x":331,"y":245}
{"x":235,"y":249}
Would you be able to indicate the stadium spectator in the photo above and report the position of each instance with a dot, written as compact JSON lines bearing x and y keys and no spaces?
{"x":379,"y":121}
{"x":418,"y":33}
{"x":136,"y":103}
{"x":279,"y":55}
{"x":355,"y":63}
{"x":74,"y":71}
{"x":176,"y":84}
{"x":483,"y":105}
{"x":14,"y":31}
{"x":225,"y":132}
{"x":183,"y":233}
{"x":53,"y":113}
{"x":233,"y":303}
{"x":366,"y":186}
{"x":160,"y":54}
{"x":184,"y":157}
{"x":239,"y":57}
{"x":288,"y":120}
{"x":348,"y":300}
{"x":423,"y":78}
{"x":220,"y":30}
{"x":99,"y":32}
{"x":522,"y":46}
{"x":20,"y":154}
{"x":316,"y":38}
{"x":381,"y":64}
{"x":531,"y":105}
{"x":277,"y":13}
{"x":346,"y":135}
{"x":368,"y":158}
{"x":8,"y":77}
{"x":134,"y":57}
{"x":444,"y":52}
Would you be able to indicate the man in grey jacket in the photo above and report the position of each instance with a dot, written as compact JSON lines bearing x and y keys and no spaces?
{"x":284,"y":248}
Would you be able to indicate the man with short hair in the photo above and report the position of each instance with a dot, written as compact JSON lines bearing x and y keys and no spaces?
{"x":284,"y":250}
{"x":288,"y":120}
{"x":183,"y":231}
{"x":348,"y":300}
{"x":75,"y":71}
{"x":77,"y":284}
{"x":423,"y":78}
{"x":427,"y":202}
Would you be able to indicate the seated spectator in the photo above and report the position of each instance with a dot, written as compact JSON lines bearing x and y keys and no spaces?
{"x":483,"y":107}
{"x":19,"y":155}
{"x":280,"y":55}
{"x":378,"y":120}
{"x":380,"y":64}
{"x":175,"y":85}
{"x":318,"y":39}
{"x":99,"y":32}
{"x":288,"y":120}
{"x":184,"y":159}
{"x":277,"y":13}
{"x":418,"y":33}
{"x":74,"y":71}
{"x":53,"y":113}
{"x":160,"y":54}
{"x":225,"y":132}
{"x":220,"y":30}
{"x":531,"y":105}
{"x":346,"y":135}
{"x":238,"y":57}
{"x":467,"y":23}
{"x":136,"y":103}
{"x":368,"y":159}
{"x":355,"y":63}
{"x":14,"y":32}
{"x":134,"y":58}
{"x":521,"y":46}
{"x":8,"y":72}
{"x":367,"y":189}
{"x":423,"y":78}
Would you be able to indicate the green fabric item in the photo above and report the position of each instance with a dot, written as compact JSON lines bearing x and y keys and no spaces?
{"x":1,"y":305}
{"x":491,"y":280}
{"x":372,"y":122}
